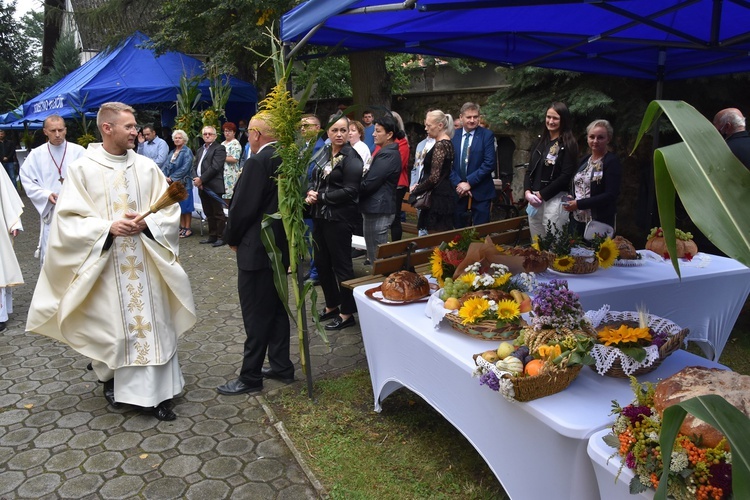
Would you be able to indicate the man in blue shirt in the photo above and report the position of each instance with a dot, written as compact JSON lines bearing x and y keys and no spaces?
{"x":368,"y":139}
{"x":154,"y":147}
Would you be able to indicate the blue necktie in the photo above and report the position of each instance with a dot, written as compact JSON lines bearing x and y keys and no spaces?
{"x":465,"y":154}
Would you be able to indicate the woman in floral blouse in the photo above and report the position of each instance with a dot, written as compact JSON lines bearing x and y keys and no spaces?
{"x":334,"y":194}
{"x":232,"y":167}
{"x":596,"y":184}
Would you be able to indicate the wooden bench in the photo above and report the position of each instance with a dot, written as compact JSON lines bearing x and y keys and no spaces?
{"x":415,"y":252}
{"x":408,"y":227}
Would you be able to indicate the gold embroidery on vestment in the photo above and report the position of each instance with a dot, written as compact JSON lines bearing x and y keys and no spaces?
{"x":132,"y":267}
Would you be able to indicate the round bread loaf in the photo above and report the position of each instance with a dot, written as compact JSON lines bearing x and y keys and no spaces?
{"x":405,"y":285}
{"x":534,"y":261}
{"x":626,"y":248}
{"x":699,"y":381}
{"x":659,"y":246}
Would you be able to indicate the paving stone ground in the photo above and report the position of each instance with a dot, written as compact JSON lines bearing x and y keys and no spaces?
{"x":60,"y":439}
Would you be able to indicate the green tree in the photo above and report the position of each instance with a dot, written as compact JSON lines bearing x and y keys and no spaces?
{"x":17,"y":76}
{"x":33,"y":28}
{"x":65,"y":59}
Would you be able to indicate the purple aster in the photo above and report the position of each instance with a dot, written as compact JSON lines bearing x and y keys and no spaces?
{"x":490,"y":379}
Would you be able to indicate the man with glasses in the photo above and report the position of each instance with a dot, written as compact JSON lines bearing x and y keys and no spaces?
{"x":112,"y":287}
{"x":208,"y":177}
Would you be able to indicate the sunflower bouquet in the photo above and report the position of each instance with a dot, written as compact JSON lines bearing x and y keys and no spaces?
{"x":572,"y":254}
{"x":446,"y":257}
{"x":695,"y":472}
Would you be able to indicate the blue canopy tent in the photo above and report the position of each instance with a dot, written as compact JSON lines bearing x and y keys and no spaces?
{"x":653,"y":39}
{"x":134,"y":75}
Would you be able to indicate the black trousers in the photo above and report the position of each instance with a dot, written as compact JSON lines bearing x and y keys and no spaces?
{"x":215,"y":217}
{"x":333,"y":258}
{"x":266,"y":326}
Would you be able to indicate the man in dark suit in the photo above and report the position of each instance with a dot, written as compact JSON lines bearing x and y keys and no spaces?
{"x":474,"y":162}
{"x":208,"y":177}
{"x":731,"y":125}
{"x":264,"y":315}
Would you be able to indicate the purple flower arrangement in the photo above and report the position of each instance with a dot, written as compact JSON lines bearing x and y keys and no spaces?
{"x":555,"y":306}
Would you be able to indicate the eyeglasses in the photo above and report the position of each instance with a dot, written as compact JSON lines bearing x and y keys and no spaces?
{"x":209,"y":133}
{"x":254,"y":129}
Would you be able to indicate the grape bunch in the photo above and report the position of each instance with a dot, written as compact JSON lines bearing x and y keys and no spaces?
{"x":455,"y":289}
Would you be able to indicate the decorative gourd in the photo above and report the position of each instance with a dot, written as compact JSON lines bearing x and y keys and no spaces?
{"x":510,"y":364}
{"x":533,"y":367}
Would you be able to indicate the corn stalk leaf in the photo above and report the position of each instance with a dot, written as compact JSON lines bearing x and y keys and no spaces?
{"x":720,"y":414}
{"x":711,"y":182}
{"x":277,"y":264}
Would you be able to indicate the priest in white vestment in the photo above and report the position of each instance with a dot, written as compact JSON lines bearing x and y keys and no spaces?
{"x":11,"y":208}
{"x":110,"y":287}
{"x":43,"y":172}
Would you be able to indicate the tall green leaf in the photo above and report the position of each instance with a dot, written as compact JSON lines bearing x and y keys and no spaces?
{"x":275,"y":256}
{"x":711,"y":181}
{"x":720,"y":414}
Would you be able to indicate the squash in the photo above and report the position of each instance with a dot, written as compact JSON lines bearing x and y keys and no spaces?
{"x":510,"y":364}
{"x":533,"y":367}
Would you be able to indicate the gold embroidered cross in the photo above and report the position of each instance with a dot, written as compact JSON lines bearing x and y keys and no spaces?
{"x":132,"y":267}
{"x":139,"y":327}
{"x":123,"y":203}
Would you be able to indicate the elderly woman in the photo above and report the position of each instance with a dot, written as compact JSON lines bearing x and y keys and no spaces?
{"x":378,"y":202}
{"x":596,"y":184}
{"x":435,"y":179}
{"x":179,"y":162}
{"x":552,"y":165}
{"x":334,"y":194}
{"x":356,"y":132}
{"x":232,"y":165}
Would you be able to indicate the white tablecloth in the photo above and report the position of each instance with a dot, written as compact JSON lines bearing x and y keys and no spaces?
{"x":521,"y":442}
{"x":707,"y":300}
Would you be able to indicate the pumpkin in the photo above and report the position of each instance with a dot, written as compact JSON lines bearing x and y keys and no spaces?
{"x":510,"y":364}
{"x":659,"y":246}
{"x":533,"y":367}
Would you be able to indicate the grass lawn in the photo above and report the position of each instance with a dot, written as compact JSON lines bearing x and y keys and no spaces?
{"x":409,"y":450}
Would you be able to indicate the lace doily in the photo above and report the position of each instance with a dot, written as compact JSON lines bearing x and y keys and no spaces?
{"x":605,"y":356}
{"x":505,"y":384}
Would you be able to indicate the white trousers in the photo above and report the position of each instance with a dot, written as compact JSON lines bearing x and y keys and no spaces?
{"x":550,"y":210}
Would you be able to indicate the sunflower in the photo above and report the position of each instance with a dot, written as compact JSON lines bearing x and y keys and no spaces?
{"x":502,"y":280}
{"x":564,"y":263}
{"x":607,"y":253}
{"x":508,"y":310}
{"x":535,"y":245}
{"x":473,"y":310}
{"x":623,"y":335}
{"x":468,"y":278}
{"x":436,"y":263}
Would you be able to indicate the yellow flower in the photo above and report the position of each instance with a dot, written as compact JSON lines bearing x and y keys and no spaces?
{"x":508,"y":309}
{"x":564,"y":263}
{"x":549,"y":351}
{"x":501,"y":280}
{"x":607,"y":253}
{"x":436,"y":263}
{"x":535,"y":245}
{"x":473,"y":310}
{"x":623,"y":335}
{"x":467,"y":278}
{"x":500,"y":248}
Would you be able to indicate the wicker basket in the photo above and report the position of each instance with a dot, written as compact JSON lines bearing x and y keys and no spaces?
{"x":524,"y":389}
{"x":676,"y":338}
{"x":485,"y":330}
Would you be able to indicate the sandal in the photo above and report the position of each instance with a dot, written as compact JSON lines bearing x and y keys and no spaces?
{"x":186,"y":233}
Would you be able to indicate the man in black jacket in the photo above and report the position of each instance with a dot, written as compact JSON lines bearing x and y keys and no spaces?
{"x":208,"y":177}
{"x":731,"y":125}
{"x":264,"y":315}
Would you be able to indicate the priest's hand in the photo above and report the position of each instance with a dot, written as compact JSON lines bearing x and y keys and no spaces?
{"x":127,"y":227}
{"x":53,"y":198}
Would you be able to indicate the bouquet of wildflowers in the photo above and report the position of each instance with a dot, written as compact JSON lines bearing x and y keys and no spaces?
{"x":695,"y":472}
{"x":567,"y":247}
{"x":555,"y":306}
{"x":447,"y":256}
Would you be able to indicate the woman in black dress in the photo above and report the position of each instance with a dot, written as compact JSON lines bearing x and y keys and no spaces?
{"x":438,"y":163}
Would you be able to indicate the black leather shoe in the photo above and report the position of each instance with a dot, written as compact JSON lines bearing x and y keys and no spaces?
{"x":268,"y":373}
{"x":208,"y":241}
{"x":109,"y":393}
{"x":163,"y":411}
{"x":218,"y":243}
{"x":236,"y":387}
{"x":2,"y":326}
{"x":339,"y":323}
{"x":325,"y":316}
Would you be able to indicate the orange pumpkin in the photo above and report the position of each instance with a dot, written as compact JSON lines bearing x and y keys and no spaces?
{"x":533,"y":367}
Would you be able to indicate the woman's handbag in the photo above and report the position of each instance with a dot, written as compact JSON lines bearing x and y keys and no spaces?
{"x":423,"y":200}
{"x":596,"y":228}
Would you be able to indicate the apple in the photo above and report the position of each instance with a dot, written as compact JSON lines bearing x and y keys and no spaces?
{"x":505,"y":349}
{"x":525,"y":306}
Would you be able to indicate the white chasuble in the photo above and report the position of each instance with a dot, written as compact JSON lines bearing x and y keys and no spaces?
{"x":123,"y":304}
